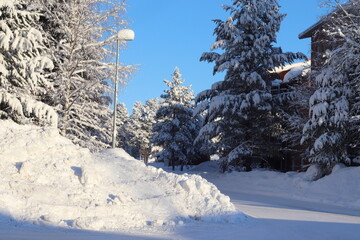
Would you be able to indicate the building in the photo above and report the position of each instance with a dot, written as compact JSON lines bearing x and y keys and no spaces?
{"x":322,"y":39}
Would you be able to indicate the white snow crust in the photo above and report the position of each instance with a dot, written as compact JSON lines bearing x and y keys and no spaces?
{"x":339,"y":189}
{"x":46,"y":179}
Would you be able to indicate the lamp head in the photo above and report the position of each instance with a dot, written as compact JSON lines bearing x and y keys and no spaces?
{"x":126,"y":35}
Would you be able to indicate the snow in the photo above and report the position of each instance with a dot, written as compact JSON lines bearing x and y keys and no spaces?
{"x":6,"y":3}
{"x":339,"y":189}
{"x":276,"y":83}
{"x":42,"y":111}
{"x":45,"y":179}
{"x":10,"y":100}
{"x":65,"y":189}
{"x":314,"y":172}
{"x":295,"y":69}
{"x":5,"y":35}
{"x":300,"y":70}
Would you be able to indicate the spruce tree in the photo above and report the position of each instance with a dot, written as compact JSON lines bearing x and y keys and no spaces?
{"x":24,"y":65}
{"x":139,"y":128}
{"x":122,"y":117}
{"x":334,"y":125}
{"x":150,"y":109}
{"x":176,"y":129}
{"x":291,"y":107}
{"x":238,"y":109}
{"x":133,"y":126}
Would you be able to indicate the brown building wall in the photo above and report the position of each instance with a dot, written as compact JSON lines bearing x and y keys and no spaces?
{"x":320,"y":44}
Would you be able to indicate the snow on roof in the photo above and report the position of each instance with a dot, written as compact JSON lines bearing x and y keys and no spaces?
{"x":297,"y":70}
{"x":292,"y":71}
{"x":290,"y":66}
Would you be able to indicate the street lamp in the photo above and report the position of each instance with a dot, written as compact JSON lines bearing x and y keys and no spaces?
{"x":122,"y":35}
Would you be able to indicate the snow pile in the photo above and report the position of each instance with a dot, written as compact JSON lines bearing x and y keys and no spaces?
{"x":313,"y":173}
{"x":46,"y":179}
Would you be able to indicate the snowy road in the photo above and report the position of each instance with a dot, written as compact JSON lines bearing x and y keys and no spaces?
{"x":276,"y":218}
{"x":299,"y":220}
{"x":270,"y":207}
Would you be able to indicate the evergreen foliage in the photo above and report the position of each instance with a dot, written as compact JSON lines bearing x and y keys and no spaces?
{"x":138,"y":129}
{"x":176,"y":129}
{"x":238,"y":109}
{"x":291,"y":108}
{"x":334,"y":125}
{"x":122,"y":117}
{"x":24,"y":65}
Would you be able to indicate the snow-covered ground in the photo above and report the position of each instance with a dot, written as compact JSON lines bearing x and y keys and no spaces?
{"x":47,"y":180}
{"x":64,"y":189}
{"x":339,"y":190}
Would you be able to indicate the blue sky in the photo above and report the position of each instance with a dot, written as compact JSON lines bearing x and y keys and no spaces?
{"x":175,"y":33}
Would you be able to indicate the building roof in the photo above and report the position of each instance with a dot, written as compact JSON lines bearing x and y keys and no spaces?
{"x":311,"y":30}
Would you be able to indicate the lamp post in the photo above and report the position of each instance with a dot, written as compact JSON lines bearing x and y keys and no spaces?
{"x":122,"y":35}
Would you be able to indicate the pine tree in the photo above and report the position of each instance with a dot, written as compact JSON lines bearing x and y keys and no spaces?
{"x":150,"y":109}
{"x":291,"y":107}
{"x":238,"y":109}
{"x":334,"y":125}
{"x":24,"y":65}
{"x":176,"y":129}
{"x":139,"y":128}
{"x":132,"y":127}
{"x":122,"y":117}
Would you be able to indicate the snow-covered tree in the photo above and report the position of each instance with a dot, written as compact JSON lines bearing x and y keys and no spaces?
{"x":76,"y":31}
{"x":334,"y":125}
{"x":150,"y":109}
{"x":122,"y":117}
{"x":139,"y":128}
{"x":24,"y":64}
{"x":238,"y":109}
{"x":132,"y":127}
{"x":176,"y":129}
{"x":290,"y":108}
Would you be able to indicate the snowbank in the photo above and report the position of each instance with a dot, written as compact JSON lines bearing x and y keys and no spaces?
{"x":46,"y":179}
{"x":341,"y":188}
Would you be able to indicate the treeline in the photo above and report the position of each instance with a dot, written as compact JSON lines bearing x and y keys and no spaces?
{"x":163,"y":128}
{"x":244,"y":121}
{"x":54,"y":61}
